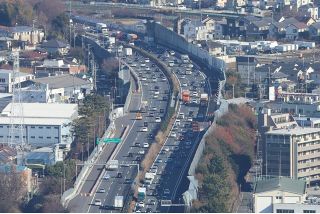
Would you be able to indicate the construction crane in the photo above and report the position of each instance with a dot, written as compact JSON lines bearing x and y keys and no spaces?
{"x":17,"y":137}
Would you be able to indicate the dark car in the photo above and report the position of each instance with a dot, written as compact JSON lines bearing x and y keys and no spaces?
{"x":119,"y":175}
{"x":138,"y":158}
{"x":161,"y":110}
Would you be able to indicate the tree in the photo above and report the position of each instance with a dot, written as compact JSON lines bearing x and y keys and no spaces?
{"x":59,"y":26}
{"x":12,"y":190}
{"x":15,"y":12}
{"x":110,"y":66}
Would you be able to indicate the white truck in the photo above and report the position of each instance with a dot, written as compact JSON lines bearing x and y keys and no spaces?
{"x":100,"y":26}
{"x":112,"y":165}
{"x":148,"y":178}
{"x":118,"y":202}
{"x":128,"y":51}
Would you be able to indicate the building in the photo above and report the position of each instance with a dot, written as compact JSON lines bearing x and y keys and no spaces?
{"x":314,"y":30}
{"x":195,"y":31}
{"x":23,"y":33}
{"x":45,"y":124}
{"x":56,"y":47}
{"x":278,"y":190}
{"x":5,"y":43}
{"x":6,"y":79}
{"x":293,"y":152}
{"x":44,"y":156}
{"x":53,"y":67}
{"x":246,"y":68}
{"x":56,"y":89}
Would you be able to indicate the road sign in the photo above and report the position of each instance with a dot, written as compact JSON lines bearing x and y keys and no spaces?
{"x":108,"y":140}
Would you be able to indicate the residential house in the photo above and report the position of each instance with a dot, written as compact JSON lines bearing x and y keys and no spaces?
{"x":258,"y":29}
{"x":298,"y":3}
{"x":209,"y":23}
{"x":306,"y":19}
{"x":56,"y":47}
{"x":195,"y":31}
{"x":290,"y":29}
{"x":5,"y":43}
{"x":221,"y":3}
{"x":23,"y":33}
{"x":309,"y":10}
{"x":55,"y":67}
{"x":215,"y":48}
{"x":314,"y":30}
{"x":7,"y":81}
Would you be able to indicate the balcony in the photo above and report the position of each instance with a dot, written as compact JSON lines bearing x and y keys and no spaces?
{"x":306,"y":157}
{"x":308,"y":148}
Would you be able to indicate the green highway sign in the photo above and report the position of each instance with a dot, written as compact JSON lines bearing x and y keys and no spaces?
{"x":108,"y":140}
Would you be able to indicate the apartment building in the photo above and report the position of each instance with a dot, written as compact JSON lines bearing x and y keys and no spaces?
{"x":293,"y":152}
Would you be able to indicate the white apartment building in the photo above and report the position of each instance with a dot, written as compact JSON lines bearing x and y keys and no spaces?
{"x":6,"y":79}
{"x":195,"y":31}
{"x":45,"y":124}
{"x":293,"y":152}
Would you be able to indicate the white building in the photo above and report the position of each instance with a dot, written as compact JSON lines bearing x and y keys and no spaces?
{"x":278,"y":190}
{"x":45,"y":124}
{"x":6,"y":79}
{"x":195,"y":30}
{"x":63,"y":88}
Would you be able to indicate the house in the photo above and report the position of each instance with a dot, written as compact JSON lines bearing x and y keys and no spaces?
{"x":56,"y":47}
{"x":55,"y":89}
{"x":7,"y":80}
{"x":290,"y":29}
{"x":314,"y":30}
{"x":23,"y":33}
{"x":215,"y":48}
{"x":5,"y":43}
{"x":209,"y":23}
{"x":195,"y":31}
{"x":306,"y":19}
{"x":258,"y":29}
{"x":298,"y":3}
{"x":53,"y":67}
{"x":278,"y":190}
{"x":295,"y":31}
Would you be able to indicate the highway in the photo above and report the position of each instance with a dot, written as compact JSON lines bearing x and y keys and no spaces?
{"x":155,"y":90}
{"x":175,"y":156}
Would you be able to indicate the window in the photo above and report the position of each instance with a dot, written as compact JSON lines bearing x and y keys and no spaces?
{"x":284,"y":211}
{"x":40,"y":137}
{"x":48,"y":127}
{"x":56,"y":127}
{"x":56,"y":137}
{"x":48,"y":137}
{"x":40,"y":127}
{"x":32,"y":127}
{"x":279,"y":197}
{"x":16,"y":136}
{"x":1,"y":126}
{"x":2,"y":80}
{"x":1,"y":136}
{"x":309,"y":211}
{"x":33,"y":137}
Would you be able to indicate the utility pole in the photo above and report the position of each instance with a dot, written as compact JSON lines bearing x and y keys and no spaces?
{"x":70,"y":21}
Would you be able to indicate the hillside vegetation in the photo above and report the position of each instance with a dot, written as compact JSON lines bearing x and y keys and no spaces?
{"x":226,"y":160}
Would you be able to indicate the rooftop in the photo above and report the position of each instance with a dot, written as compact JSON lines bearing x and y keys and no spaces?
{"x":294,"y":131}
{"x":54,"y":44}
{"x":61,"y":81}
{"x":281,"y":183}
{"x":5,"y":71}
{"x":44,"y":110}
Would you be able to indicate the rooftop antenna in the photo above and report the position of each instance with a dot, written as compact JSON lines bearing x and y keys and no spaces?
{"x":16,"y":138}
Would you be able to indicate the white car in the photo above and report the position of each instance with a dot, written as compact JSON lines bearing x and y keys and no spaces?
{"x":156,"y":92}
{"x":97,"y":202}
{"x":141,"y":152}
{"x":144,"y":129}
{"x":184,"y":84}
{"x":173,"y":134}
{"x":102,"y":190}
{"x":158,"y":120}
{"x":194,"y":101}
{"x":190,"y":119}
{"x":106,"y":177}
{"x":133,"y":65}
{"x":143,"y":79}
{"x":147,"y":60}
{"x":159,"y":161}
{"x":164,"y":79}
{"x":154,"y":108}
{"x":166,"y":192}
{"x":195,"y":94}
{"x":141,"y":204}
{"x":155,"y":96}
{"x":142,"y":65}
{"x":166,"y":149}
{"x":147,"y":69}
{"x":145,"y":145}
{"x":178,"y":122}
{"x":154,"y":80}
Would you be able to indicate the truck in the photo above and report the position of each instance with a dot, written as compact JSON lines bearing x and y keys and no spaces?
{"x":144,"y":106}
{"x":132,"y":37}
{"x":203,"y":99}
{"x":186,"y":96}
{"x":112,"y":165}
{"x":148,"y":178}
{"x":128,"y":51}
{"x":142,"y":193}
{"x":138,"y":116}
{"x":100,"y":26}
{"x":118,"y":202}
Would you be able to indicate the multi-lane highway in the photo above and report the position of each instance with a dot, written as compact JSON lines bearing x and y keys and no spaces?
{"x":174,"y":158}
{"x":155,"y":90}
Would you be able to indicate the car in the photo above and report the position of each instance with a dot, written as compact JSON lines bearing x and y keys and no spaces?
{"x":184,"y":84}
{"x":163,"y":79}
{"x":188,"y":143}
{"x":145,"y":124}
{"x":165,"y":98}
{"x":194,"y":101}
{"x":147,"y":69}
{"x":154,"y":108}
{"x":141,"y":152}
{"x":151,"y":114}
{"x":166,"y":192}
{"x":155,"y":96}
{"x":106,"y":177}
{"x":138,"y":211}
{"x":181,"y":115}
{"x":141,"y":204}
{"x":166,"y":149}
{"x":119,"y":175}
{"x":145,"y":84}
{"x":142,"y":65}
{"x":182,"y":77}
{"x":159,"y":161}
{"x":137,"y":144}
{"x":143,"y":79}
{"x":147,"y":60}
{"x":138,"y":158}
{"x":190,"y":119}
{"x":156,"y":87}
{"x":101,"y":190}
{"x":178,"y":122}
{"x":149,"y":210}
{"x":144,"y":129}
{"x":97,"y":202}
{"x":173,"y":134}
{"x":133,"y":65}
{"x":156,"y":92}
{"x":195,"y":94}
{"x":161,"y":110}
{"x":145,"y":145}
{"x":158,"y":120}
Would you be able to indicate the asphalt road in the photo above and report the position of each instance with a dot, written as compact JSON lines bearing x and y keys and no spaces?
{"x":121,"y":186}
{"x":178,"y":151}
